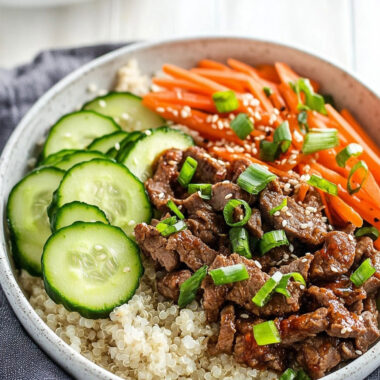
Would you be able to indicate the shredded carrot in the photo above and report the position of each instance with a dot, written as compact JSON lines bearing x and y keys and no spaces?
{"x":183,"y":84}
{"x":210,"y":64}
{"x":268,"y":72}
{"x":327,"y":210}
{"x":347,"y":213}
{"x":304,"y":188}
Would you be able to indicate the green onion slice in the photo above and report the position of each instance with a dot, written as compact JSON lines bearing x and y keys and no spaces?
{"x":267,"y":91}
{"x":172,"y":206}
{"x":204,"y":189}
{"x":242,"y":126}
{"x":289,"y":374}
{"x":227,"y":275}
{"x":188,"y":289}
{"x":283,"y":284}
{"x":170,"y":226}
{"x":228,"y":212}
{"x":351,"y":150}
{"x":279,"y":207}
{"x":255,"y":178}
{"x":269,"y":151}
{"x":313,"y":101}
{"x":263,"y":295}
{"x":187,"y":171}
{"x":225,"y":101}
{"x":363,"y":273}
{"x":266,"y":333}
{"x":239,"y":238}
{"x":372,"y":232}
{"x":323,"y":184}
{"x":358,"y":166}
{"x":302,"y":120}
{"x":320,"y":139}
{"x":273,"y":239}
{"x":282,"y":136}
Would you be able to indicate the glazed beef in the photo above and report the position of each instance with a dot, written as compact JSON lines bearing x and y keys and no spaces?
{"x":209,"y":170}
{"x":237,"y":167}
{"x":298,"y":222}
{"x":169,"y":285}
{"x":335,"y":258}
{"x":254,"y":225}
{"x":275,"y":257}
{"x":372,"y":285}
{"x":227,"y":330}
{"x":300,"y":265}
{"x":364,"y":248}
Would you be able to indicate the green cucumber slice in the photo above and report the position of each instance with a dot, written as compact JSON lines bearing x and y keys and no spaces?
{"x":70,"y":160}
{"x":111,"y":187}
{"x":105,"y":143}
{"x":27,"y":217}
{"x":91,"y":268}
{"x":54,"y":158}
{"x":77,"y":212}
{"x":126,"y":109}
{"x":76,"y":130}
{"x":140,"y":156}
{"x":133,"y":136}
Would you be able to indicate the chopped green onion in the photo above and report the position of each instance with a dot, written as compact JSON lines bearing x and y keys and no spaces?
{"x":188,"y":289}
{"x":204,"y":189}
{"x":320,"y":139}
{"x":323,"y":184}
{"x":187,"y":171}
{"x":282,"y":136}
{"x":302,"y":375}
{"x":242,"y":126}
{"x":273,"y":239}
{"x":172,"y":206}
{"x":283,"y":284}
{"x":372,"y":232}
{"x":170,"y":226}
{"x":359,"y":165}
{"x":269,"y":151}
{"x":239,"y":238}
{"x":351,"y":150}
{"x":289,"y":374}
{"x":279,"y":207}
{"x":363,"y":273}
{"x":302,"y":117}
{"x":227,"y":275}
{"x":229,"y":209}
{"x":225,"y":101}
{"x":255,"y":178}
{"x":262,"y":296}
{"x":266,"y":333}
{"x":267,"y":91}
{"x":313,"y":101}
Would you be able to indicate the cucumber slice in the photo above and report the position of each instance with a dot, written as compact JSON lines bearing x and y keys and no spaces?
{"x":27,"y":217}
{"x":76,"y":130}
{"x":140,"y":156}
{"x":111,"y":187}
{"x":91,"y":268}
{"x":126,"y":109}
{"x":54,"y":158}
{"x":77,"y":212}
{"x":80,"y":156}
{"x":133,"y":136}
{"x":105,"y":143}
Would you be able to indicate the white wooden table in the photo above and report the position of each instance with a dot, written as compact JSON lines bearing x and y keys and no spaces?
{"x":347,"y":31}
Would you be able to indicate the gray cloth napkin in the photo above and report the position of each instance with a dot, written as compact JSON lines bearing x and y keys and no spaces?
{"x":20,"y":357}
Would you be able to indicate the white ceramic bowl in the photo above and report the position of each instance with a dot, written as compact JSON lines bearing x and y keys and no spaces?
{"x":71,"y":92}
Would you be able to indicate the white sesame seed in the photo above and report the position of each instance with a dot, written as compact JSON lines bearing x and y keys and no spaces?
{"x":350,"y":237}
{"x":291,"y":247}
{"x":161,"y":196}
{"x":98,"y":247}
{"x":302,"y":287}
{"x":334,"y":269}
{"x":303,"y":260}
{"x":117,"y":146}
{"x":288,"y":213}
{"x":148,"y":132}
{"x":277,"y":213}
{"x":126,"y":269}
{"x":102,"y":103}
{"x":303,"y":226}
{"x":277,"y":276}
{"x":228,"y":196}
{"x":125,"y":116}
{"x":284,"y":223}
{"x":244,"y":316}
{"x":92,"y":88}
{"x":131,"y":223}
{"x":358,"y":352}
{"x":258,"y":264}
{"x":343,"y":331}
{"x":307,"y":212}
{"x":160,"y":109}
{"x":287,"y":187}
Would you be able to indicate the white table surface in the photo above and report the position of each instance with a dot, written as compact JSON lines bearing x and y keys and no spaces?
{"x":347,"y":31}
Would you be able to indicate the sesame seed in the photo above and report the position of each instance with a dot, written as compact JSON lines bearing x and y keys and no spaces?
{"x":125,"y":116}
{"x":98,"y":247}
{"x":117,"y":146}
{"x":358,"y":352}
{"x":334,"y":269}
{"x":284,"y":223}
{"x":161,"y":196}
{"x":343,"y":331}
{"x":291,"y":247}
{"x":160,"y":109}
{"x":277,"y":213}
{"x":277,"y":276}
{"x":92,"y":87}
{"x":228,"y":196}
{"x":148,"y":132}
{"x":102,"y":103}
{"x":303,"y":226}
{"x":350,"y":237}
{"x":258,"y":264}
{"x":126,"y":269}
{"x":244,"y":316}
{"x":302,"y":287}
{"x":303,"y":260}
{"x":131,"y":223}
{"x":288,"y":213}
{"x":172,"y":162}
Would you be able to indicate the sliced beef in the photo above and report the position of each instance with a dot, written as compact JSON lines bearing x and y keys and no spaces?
{"x":372,"y":285}
{"x":298,"y":327}
{"x":335,"y":258}
{"x":275,"y":257}
{"x":227,"y":330}
{"x":298,"y":222}
{"x":209,"y":170}
{"x":169,"y":285}
{"x":347,"y":350}
{"x":159,"y":187}
{"x":344,"y":289}
{"x":153,"y":244}
{"x":254,"y":225}
{"x":222,"y":192}
{"x":202,"y":221}
{"x":191,"y":250}
{"x":237,"y":167}
{"x":300,"y":265}
{"x":318,"y":355}
{"x":364,"y":246}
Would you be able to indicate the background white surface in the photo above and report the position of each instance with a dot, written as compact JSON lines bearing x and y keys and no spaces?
{"x":347,"y":31}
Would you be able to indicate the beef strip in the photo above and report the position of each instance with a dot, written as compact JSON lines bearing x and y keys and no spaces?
{"x":254,"y":225}
{"x":335,"y":258}
{"x":298,"y":222}
{"x":209,"y":170}
{"x":275,"y":257}
{"x":227,"y":330}
{"x":372,"y":285}
{"x":344,"y":289}
{"x":191,"y":250}
{"x":222,"y":192}
{"x":237,"y":167}
{"x":318,"y":355}
{"x":169,"y":285}
{"x":153,"y":244}
{"x":298,"y":327}
{"x":364,"y":246}
{"x":300,"y":265}
{"x":347,"y":350}
{"x":159,"y":187}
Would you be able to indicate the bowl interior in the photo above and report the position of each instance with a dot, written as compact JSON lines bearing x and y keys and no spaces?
{"x":72,"y":92}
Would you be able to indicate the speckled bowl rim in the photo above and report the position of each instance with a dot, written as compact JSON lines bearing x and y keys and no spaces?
{"x":74,"y":363}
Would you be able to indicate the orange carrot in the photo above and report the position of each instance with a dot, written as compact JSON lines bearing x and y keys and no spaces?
{"x":268,"y":72}
{"x":304,"y":188}
{"x":290,"y":97}
{"x":327,"y":210}
{"x":172,"y":83}
{"x":285,"y":73}
{"x":347,"y":213}
{"x":211,"y":64}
